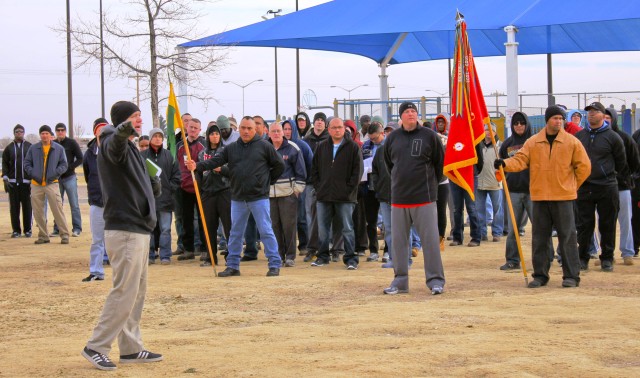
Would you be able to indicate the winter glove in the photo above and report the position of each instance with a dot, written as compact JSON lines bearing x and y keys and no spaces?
{"x":156,"y":185}
{"x":125,"y":130}
{"x":499,"y":163}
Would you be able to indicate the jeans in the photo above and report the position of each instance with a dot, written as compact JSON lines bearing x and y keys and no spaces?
{"x":385,"y":209}
{"x":624,"y":218}
{"x":415,"y":239}
{"x":251,"y":238}
{"x":338,"y":214}
{"x":164,"y":225}
{"x":521,"y":203}
{"x":97,"y":251}
{"x":461,"y":199}
{"x":70,"y":186}
{"x":240,"y":211}
{"x":496,"y":203}
{"x":303,"y":237}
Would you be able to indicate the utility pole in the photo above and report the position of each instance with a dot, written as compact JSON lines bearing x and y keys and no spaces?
{"x":69,"y":73}
{"x":137,"y":76}
{"x":101,"y":64}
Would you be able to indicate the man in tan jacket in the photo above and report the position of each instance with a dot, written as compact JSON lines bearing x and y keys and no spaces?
{"x":558,"y":165}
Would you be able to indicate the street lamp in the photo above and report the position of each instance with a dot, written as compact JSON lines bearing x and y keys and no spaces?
{"x":350,"y":90}
{"x":243,"y":87}
{"x":275,"y":14}
{"x":439,"y":93}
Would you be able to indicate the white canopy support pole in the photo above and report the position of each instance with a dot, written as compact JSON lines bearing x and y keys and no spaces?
{"x":181,"y":80}
{"x":512,"y":77}
{"x":384,"y":85}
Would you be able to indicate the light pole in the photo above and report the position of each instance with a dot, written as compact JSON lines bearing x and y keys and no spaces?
{"x":275,"y":14}
{"x":243,"y":87}
{"x":438,"y":99}
{"x":350,"y":90}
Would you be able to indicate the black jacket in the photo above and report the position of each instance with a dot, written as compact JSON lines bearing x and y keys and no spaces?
{"x":380,"y":176}
{"x":336,"y":180}
{"x":626,"y":181}
{"x":13,"y":162}
{"x":635,"y":191}
{"x":212,"y":182}
{"x":606,"y":152}
{"x":91,"y":177}
{"x":518,"y":182}
{"x":169,"y":178}
{"x":253,"y":167}
{"x":129,"y":204}
{"x":74,"y":156}
{"x":313,"y":140}
{"x":415,"y":160}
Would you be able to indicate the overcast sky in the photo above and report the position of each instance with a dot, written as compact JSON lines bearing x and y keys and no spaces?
{"x":34,"y":83}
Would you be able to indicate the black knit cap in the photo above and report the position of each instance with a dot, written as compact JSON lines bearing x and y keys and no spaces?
{"x":44,"y":128}
{"x":122,"y":110}
{"x":406,"y":105}
{"x":553,"y":111}
{"x":320,"y":115}
{"x":60,"y":125}
{"x":18,"y":126}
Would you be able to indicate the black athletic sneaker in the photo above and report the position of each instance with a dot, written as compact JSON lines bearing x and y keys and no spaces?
{"x":99,"y":360}
{"x":319,"y":262}
{"x":139,"y":358}
{"x":273,"y":272}
{"x":92,"y":277}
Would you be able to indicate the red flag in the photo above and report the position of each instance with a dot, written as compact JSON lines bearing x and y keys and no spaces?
{"x":469,"y":114}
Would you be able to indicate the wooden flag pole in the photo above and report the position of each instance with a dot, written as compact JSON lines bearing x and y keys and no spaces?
{"x":198,"y":199}
{"x":514,"y":225}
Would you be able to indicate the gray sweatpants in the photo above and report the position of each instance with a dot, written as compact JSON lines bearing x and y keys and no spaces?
{"x":129,"y":255}
{"x":425,"y":220}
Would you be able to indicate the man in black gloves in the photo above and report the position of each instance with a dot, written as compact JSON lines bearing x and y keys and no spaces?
{"x":129,"y":217}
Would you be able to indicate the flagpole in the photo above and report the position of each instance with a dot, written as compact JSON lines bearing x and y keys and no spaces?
{"x":514,"y":225}
{"x":195,"y":186}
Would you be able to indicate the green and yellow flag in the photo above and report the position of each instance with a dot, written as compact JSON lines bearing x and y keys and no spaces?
{"x":173,"y":120}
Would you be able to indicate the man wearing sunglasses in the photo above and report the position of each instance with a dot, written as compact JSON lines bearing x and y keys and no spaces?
{"x":68,"y":180}
{"x":17,"y":182}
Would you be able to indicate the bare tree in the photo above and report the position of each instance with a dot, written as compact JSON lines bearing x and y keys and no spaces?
{"x":79,"y":130}
{"x":32,"y":138}
{"x":143,"y":41}
{"x":4,"y":142}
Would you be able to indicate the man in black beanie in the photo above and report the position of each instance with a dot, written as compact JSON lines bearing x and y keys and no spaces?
{"x":68,"y":182}
{"x":129,"y":216}
{"x":17,"y":182}
{"x":558,"y":166}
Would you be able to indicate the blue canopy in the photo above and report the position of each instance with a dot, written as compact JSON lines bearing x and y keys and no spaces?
{"x":426,"y":29}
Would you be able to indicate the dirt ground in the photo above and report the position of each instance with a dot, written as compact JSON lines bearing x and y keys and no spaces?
{"x":325,"y":322}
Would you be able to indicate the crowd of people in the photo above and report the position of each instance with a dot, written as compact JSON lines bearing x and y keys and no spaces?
{"x":324,"y":189}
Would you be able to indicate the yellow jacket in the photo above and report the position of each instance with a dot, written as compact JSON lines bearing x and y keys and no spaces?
{"x":555,"y":173}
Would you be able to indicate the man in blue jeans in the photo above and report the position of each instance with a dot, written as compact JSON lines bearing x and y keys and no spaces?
{"x":254,"y":165}
{"x":69,"y":181}
{"x":335,"y":174}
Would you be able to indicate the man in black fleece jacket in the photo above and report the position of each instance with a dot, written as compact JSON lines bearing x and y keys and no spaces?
{"x":253,"y":166}
{"x":625,"y":183}
{"x":335,"y":173}
{"x":129,"y":217}
{"x":600,"y":191}
{"x":68,"y":181}
{"x":414,"y":156}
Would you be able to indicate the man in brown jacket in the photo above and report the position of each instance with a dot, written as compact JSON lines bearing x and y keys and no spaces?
{"x":558,"y":165}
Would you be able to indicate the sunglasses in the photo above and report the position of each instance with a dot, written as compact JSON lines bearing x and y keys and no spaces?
{"x":18,"y":132}
{"x":60,"y":130}
{"x":519,"y":123}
